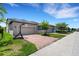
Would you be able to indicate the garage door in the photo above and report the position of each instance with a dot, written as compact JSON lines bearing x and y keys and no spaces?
{"x":28,"y":30}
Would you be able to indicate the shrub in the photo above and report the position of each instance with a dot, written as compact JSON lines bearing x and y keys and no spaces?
{"x":59,"y":31}
{"x":1,"y":53}
{"x":7,"y":38}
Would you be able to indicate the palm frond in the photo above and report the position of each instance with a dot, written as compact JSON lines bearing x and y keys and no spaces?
{"x":2,"y":10}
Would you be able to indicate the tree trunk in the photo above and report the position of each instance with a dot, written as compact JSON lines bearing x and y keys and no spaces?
{"x":45,"y":33}
{"x":1,"y":32}
{"x":19,"y":32}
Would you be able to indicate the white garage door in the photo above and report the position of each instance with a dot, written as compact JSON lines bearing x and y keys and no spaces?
{"x":28,"y":30}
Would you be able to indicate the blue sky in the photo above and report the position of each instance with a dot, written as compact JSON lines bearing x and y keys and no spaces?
{"x":52,"y":12}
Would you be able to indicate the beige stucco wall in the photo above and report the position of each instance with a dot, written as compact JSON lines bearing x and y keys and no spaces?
{"x":50,"y":30}
{"x":26,"y":28}
{"x":15,"y":27}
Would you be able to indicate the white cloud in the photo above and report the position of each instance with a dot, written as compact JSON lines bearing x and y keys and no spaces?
{"x":67,"y":13}
{"x":13,"y":5}
{"x":34,"y":4}
{"x":65,"y":5}
{"x":61,"y":10}
{"x":48,"y":9}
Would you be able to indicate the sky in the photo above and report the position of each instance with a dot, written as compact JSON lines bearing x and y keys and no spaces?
{"x":52,"y":12}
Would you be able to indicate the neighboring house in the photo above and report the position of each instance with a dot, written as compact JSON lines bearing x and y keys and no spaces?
{"x":78,"y":30}
{"x":28,"y":27}
{"x":50,"y":30}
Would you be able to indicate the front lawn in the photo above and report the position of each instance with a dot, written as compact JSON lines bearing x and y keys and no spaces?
{"x":19,"y":47}
{"x":15,"y":47}
{"x":56,"y":35}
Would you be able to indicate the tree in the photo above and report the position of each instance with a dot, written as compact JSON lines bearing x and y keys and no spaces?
{"x":45,"y":26}
{"x":62,"y":27}
{"x":2,"y":12}
{"x":20,"y":34}
{"x":73,"y":29}
{"x":68,"y":29}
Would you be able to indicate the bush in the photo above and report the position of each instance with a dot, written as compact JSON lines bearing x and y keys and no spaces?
{"x":1,"y":53}
{"x":59,"y":31}
{"x":7,"y":38}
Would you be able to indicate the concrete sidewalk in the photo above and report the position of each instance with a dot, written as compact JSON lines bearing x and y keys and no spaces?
{"x":68,"y":46}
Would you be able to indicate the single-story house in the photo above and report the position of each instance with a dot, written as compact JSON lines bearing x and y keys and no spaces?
{"x":78,"y":30}
{"x":27,"y":27}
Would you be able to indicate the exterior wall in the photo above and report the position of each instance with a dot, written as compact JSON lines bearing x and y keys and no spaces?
{"x":14,"y":27}
{"x":26,"y":29}
{"x":50,"y":30}
{"x":54,"y":29}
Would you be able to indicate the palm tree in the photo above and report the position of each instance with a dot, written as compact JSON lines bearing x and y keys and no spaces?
{"x":45,"y":26}
{"x":2,"y":12}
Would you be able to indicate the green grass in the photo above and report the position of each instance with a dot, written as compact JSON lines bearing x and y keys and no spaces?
{"x":28,"y":49}
{"x":19,"y":47}
{"x":56,"y":35}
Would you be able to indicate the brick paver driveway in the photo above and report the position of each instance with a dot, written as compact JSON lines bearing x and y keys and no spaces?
{"x":39,"y":41}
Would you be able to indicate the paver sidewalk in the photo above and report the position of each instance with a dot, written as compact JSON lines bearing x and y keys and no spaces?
{"x":68,"y":46}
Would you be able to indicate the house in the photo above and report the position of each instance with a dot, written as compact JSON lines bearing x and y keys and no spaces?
{"x":26,"y":27}
{"x":78,"y":30}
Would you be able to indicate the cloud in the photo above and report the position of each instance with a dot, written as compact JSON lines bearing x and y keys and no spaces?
{"x":67,"y":13}
{"x":34,"y":4}
{"x":61,"y":10}
{"x":13,"y":4}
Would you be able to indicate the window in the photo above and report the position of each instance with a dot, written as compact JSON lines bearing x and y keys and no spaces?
{"x":39,"y":28}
